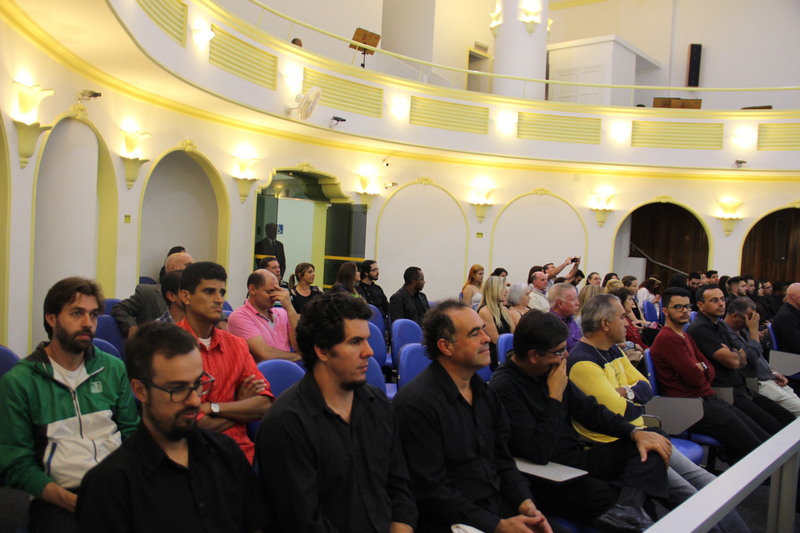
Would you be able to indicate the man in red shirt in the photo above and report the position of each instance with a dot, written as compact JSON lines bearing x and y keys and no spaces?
{"x":240,"y":393}
{"x":684,"y":372}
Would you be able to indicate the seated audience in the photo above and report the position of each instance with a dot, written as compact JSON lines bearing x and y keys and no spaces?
{"x":170,"y":291}
{"x":495,"y":314}
{"x":370,"y":290}
{"x":517,"y":300}
{"x":564,"y":304}
{"x":471,"y":291}
{"x":684,"y":372}
{"x":542,"y":402}
{"x":268,"y":330}
{"x":741,"y":324}
{"x":608,"y":277}
{"x":634,"y":346}
{"x":144,"y":485}
{"x":630,"y":282}
{"x":737,"y":286}
{"x":410,"y":302}
{"x":715,"y":343}
{"x":240,"y":393}
{"x":587,"y":293}
{"x":539,"y":286}
{"x":273,"y":265}
{"x":649,"y":291}
{"x":553,"y":271}
{"x":766,"y":304}
{"x":453,"y":431}
{"x":328,"y":450}
{"x":612,"y":285}
{"x":593,"y":279}
{"x":713,"y":277}
{"x":173,"y":250}
{"x":65,"y":408}
{"x":579,"y":275}
{"x":301,"y":286}
{"x":500,"y":272}
{"x":146,"y":304}
{"x":346,"y":279}
{"x":786,"y":323}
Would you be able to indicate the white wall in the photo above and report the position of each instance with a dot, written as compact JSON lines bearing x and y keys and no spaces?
{"x":297,"y":218}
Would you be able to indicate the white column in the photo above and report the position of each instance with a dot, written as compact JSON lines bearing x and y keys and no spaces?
{"x":518,"y":51}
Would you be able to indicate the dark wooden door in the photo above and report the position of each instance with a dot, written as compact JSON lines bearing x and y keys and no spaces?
{"x":772,"y":248}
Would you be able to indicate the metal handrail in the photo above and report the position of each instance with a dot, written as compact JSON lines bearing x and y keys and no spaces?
{"x":507,"y":76}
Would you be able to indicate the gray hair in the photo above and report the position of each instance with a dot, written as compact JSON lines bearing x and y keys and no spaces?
{"x":516,"y":292}
{"x":558,"y":291}
{"x":740,"y":306}
{"x":595,"y":310}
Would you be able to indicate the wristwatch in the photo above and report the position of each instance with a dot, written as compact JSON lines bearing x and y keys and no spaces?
{"x":630,"y":394}
{"x":214,"y":409}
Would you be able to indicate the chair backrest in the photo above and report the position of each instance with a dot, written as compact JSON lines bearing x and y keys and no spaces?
{"x":281,"y":374}
{"x":773,"y":337}
{"x":505,"y":343}
{"x":147,"y":280}
{"x":692,"y":316}
{"x":7,"y":360}
{"x":109,"y":305}
{"x":651,"y":371}
{"x":375,"y":375}
{"x":378,"y":344}
{"x":107,"y":347}
{"x":650,"y":312}
{"x":108,"y":330}
{"x":404,"y":331}
{"x":413,"y":360}
{"x":377,"y":319}
{"x":485,"y":373}
{"x":226,"y":306}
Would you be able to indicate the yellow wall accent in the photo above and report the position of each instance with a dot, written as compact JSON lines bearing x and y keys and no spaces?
{"x":559,"y":128}
{"x":691,"y":135}
{"x":449,"y":116}
{"x":779,"y":136}
{"x":320,"y":228}
{"x":172,"y":16}
{"x":5,"y":230}
{"x":220,"y":194}
{"x":542,"y":192}
{"x":346,"y":95}
{"x":242,"y":59}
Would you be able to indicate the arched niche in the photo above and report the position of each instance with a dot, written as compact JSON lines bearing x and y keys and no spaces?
{"x":74,"y":212}
{"x":669,"y":233}
{"x":5,"y":227}
{"x":422,"y":224}
{"x":771,"y":249}
{"x":536,"y":228}
{"x":184,"y":202}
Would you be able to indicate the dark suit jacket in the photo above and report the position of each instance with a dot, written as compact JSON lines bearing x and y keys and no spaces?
{"x":264,"y":247}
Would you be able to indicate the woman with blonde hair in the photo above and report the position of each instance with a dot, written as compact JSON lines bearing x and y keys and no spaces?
{"x":494,"y":313}
{"x":586,"y":294}
{"x":471,"y":292}
{"x":300,"y":286}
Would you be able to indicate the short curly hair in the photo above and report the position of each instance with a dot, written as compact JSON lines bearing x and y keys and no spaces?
{"x":322,"y":322}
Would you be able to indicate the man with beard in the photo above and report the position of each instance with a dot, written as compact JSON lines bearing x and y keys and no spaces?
{"x":170,"y":475}
{"x":371,"y":291}
{"x":65,"y":407}
{"x":328,"y":451}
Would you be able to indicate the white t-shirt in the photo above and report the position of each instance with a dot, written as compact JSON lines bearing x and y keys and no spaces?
{"x":70,"y":378}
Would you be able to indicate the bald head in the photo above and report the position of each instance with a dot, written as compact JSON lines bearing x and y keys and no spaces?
{"x":178,"y":261}
{"x":260,"y":287}
{"x":793,"y":295}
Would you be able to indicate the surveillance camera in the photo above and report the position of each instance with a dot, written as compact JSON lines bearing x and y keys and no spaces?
{"x":385,"y":163}
{"x":88,"y":93}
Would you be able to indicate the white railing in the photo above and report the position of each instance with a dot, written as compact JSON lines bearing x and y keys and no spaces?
{"x":778,"y":457}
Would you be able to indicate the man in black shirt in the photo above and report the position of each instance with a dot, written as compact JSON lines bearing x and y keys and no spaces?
{"x":370,"y":291}
{"x":170,"y":475}
{"x":410,"y":302}
{"x":786,"y":323}
{"x":714,"y":341}
{"x":328,"y":451}
{"x":454,"y":432}
{"x":542,"y":402}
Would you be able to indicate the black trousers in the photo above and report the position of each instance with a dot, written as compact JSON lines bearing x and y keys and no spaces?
{"x":44,"y":517}
{"x":737,"y":432}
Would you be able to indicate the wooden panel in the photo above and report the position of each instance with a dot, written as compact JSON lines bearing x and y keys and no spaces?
{"x":772,"y":248}
{"x":697,"y":135}
{"x":671,"y":235}
{"x":449,"y":116}
{"x":171,"y":16}
{"x":779,"y":136}
{"x":559,"y":128}
{"x":344,"y":94}
{"x":242,"y":59}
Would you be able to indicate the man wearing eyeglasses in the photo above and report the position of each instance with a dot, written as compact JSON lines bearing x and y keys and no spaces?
{"x":170,"y":475}
{"x":64,"y":408}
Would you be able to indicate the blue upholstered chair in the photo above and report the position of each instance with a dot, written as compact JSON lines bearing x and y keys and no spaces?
{"x":107,"y":347}
{"x":505,"y":343}
{"x":404,"y":331}
{"x":109,"y":305}
{"x":412,"y":361}
{"x":108,"y":330}
{"x":7,"y":360}
{"x":378,"y":344}
{"x":281,"y":375}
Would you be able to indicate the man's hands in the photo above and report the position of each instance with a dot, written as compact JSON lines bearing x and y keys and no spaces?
{"x":648,"y":441}
{"x":56,"y":495}
{"x":557,"y":380}
{"x":780,"y":379}
{"x":281,"y":295}
{"x":251,"y":386}
{"x":529,"y":519}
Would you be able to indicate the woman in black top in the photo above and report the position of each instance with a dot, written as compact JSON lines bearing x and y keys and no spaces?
{"x":301,"y":288}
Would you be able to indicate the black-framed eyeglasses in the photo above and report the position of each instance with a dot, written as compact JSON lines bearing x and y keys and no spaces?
{"x":181,"y":394}
{"x":681,"y":307}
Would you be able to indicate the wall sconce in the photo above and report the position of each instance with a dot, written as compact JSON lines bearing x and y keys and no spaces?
{"x":480,"y":201}
{"x":28,"y":129}
{"x":369,"y":190}
{"x":600,"y":204}
{"x":244,"y":175}
{"x":728,"y":214}
{"x":202,"y":34}
{"x":497,"y":18}
{"x":131,"y":152}
{"x":531,"y":14}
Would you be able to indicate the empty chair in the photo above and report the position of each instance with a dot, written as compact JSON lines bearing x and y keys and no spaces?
{"x":7,"y":360}
{"x":109,"y":305}
{"x":281,"y":375}
{"x":377,"y":344}
{"x":404,"y":331}
{"x":505,"y":343}
{"x":412,"y":361}
{"x":650,"y":312}
{"x":108,"y":330}
{"x":107,"y":347}
{"x":377,"y":318}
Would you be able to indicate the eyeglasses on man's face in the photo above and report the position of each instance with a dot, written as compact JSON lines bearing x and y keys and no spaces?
{"x":681,"y":307}
{"x":181,"y":394}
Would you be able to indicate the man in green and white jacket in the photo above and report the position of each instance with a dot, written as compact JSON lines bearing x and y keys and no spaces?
{"x":64,"y":408}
